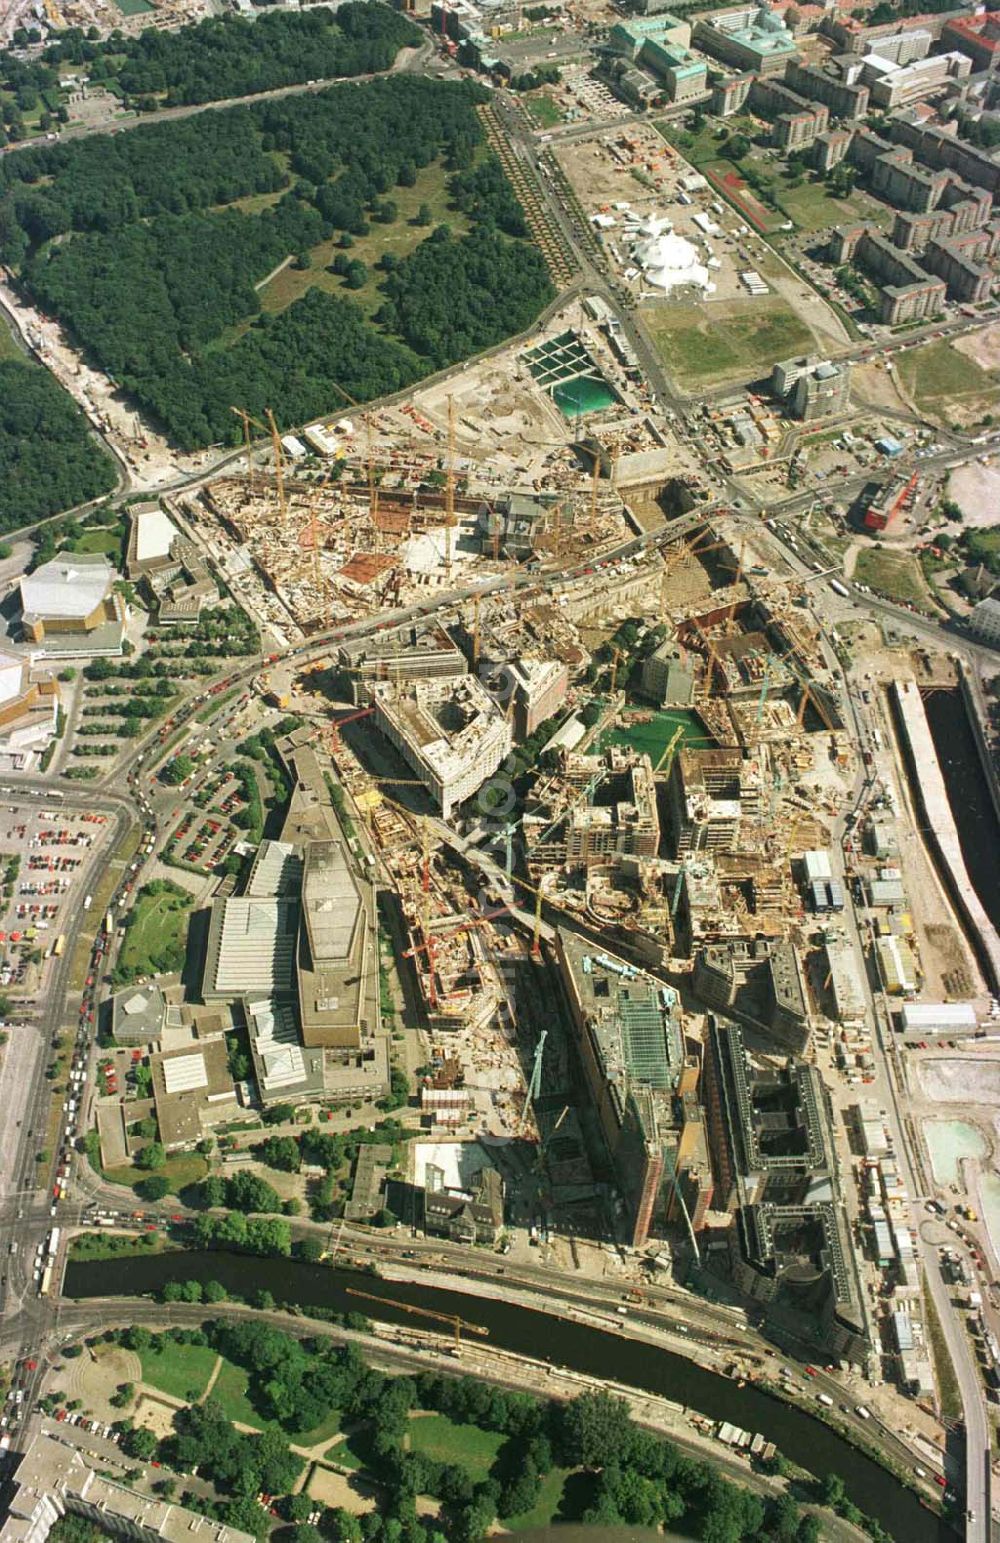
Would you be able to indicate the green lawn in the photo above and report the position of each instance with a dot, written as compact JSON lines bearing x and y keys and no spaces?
{"x":545,"y":1507}
{"x":158,"y":927}
{"x":134,"y":7}
{"x":180,"y":1170}
{"x":542,"y":108}
{"x":344,"y":1454}
{"x":701,"y":343}
{"x":8,"y":348}
{"x":230,"y":1393}
{"x":109,"y":541}
{"x":445,"y":1441}
{"x":178,"y":1370}
{"x":894,"y":574}
{"x":939,"y":377}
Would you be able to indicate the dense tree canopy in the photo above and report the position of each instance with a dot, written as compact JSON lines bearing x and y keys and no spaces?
{"x":156,"y":272}
{"x":49,"y":460}
{"x":227,"y":56}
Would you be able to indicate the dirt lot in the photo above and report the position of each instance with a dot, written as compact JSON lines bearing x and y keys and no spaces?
{"x":977,"y":489}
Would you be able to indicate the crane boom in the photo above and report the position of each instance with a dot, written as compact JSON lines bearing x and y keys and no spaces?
{"x":457,"y":1323}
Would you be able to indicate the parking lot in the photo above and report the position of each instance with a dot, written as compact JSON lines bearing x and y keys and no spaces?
{"x":42,"y":854}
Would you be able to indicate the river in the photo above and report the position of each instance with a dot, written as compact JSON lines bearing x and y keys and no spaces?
{"x":600,"y":1353}
{"x":968,"y":794}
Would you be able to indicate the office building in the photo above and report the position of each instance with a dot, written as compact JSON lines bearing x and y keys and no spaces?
{"x":750,"y":38}
{"x":669,"y":675}
{"x":539,"y":687}
{"x":193,"y":1092}
{"x":759,"y":982}
{"x":451,"y":733}
{"x":902,"y":47}
{"x":55,"y":1478}
{"x":845,"y":982}
{"x":335,"y":953}
{"x":811,"y":387}
{"x":642,"y":1084}
{"x":69,"y":606}
{"x":660,"y":43}
{"x":893,"y":85}
{"x":470,"y":1215}
{"x":984,"y":622}
{"x":511,"y":527}
{"x":594,"y":809}
{"x":775,"y":1168}
{"x":417,"y":651}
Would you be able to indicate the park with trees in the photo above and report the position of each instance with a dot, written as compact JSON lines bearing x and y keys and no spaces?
{"x":143,"y":245}
{"x":49,"y":458}
{"x":485,"y":1454}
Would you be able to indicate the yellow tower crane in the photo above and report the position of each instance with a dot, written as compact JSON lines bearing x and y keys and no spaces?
{"x":452,"y":1319}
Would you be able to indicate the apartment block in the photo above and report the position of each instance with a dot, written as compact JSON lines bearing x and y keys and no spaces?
{"x":54,"y":1478}
{"x":938,"y":147}
{"x":961,"y":209}
{"x":978,"y":37}
{"x":958,"y":261}
{"x":829,"y":149}
{"x":843,"y":98}
{"x":796,"y":121}
{"x":730,"y":95}
{"x":906,"y":185}
{"x":907,"y":291}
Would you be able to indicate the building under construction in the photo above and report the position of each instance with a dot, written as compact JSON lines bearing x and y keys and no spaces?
{"x":594,"y":809}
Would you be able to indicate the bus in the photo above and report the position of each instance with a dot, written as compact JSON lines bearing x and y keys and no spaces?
{"x":59,"y":945}
{"x":46,"y":1284}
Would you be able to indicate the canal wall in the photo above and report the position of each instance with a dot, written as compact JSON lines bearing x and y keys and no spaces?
{"x":975,"y":718}
{"x":939,"y":827}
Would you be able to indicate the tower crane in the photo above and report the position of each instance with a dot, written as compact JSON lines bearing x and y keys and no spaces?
{"x":666,"y":760}
{"x":270,"y":428}
{"x":452,"y":1319}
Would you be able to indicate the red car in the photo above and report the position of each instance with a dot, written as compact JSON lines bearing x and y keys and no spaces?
{"x":810,"y":1371}
{"x":939,"y":1480}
